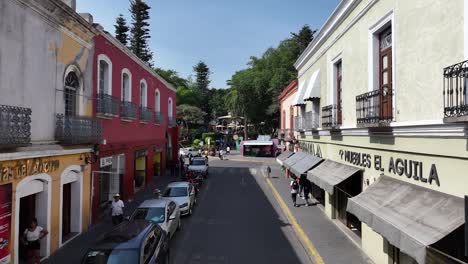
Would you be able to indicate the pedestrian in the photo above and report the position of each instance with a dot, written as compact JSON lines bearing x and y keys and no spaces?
{"x":117,"y":210}
{"x":302,"y":180}
{"x":307,"y":190}
{"x":268,"y":171}
{"x":228,"y":150}
{"x":200,"y":152}
{"x":294,"y":185}
{"x":31,"y":238}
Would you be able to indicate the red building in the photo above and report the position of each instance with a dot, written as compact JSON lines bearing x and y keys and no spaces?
{"x":138,"y":110}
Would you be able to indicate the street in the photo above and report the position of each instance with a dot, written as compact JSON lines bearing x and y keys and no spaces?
{"x":236,"y":221}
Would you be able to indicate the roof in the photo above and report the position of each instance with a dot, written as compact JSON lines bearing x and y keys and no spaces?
{"x":154,"y":203}
{"x":288,"y":90}
{"x":178,"y":184}
{"x":127,"y":235}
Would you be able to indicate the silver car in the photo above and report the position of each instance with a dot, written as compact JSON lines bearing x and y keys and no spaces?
{"x":183,"y":193}
{"x":165,"y":212}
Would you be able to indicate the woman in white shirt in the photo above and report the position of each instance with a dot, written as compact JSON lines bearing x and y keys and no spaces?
{"x":31,"y":238}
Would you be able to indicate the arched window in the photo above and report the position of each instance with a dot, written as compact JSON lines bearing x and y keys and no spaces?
{"x":104,"y":75}
{"x":126,"y":85}
{"x":169,"y":107}
{"x":71,"y":89}
{"x":143,"y":94}
{"x":157,"y":101}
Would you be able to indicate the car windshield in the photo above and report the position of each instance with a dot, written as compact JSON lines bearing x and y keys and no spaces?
{"x":112,"y":256}
{"x":175,"y":192}
{"x":198,"y":162}
{"x":155,"y":214}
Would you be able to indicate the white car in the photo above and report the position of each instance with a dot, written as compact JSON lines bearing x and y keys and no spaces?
{"x":187,"y":151}
{"x":183,"y":193}
{"x":165,"y":212}
{"x":199,"y":165}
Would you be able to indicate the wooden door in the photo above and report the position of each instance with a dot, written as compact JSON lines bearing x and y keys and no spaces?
{"x":66,"y":210}
{"x":339,"y":92}
{"x":385,"y":71}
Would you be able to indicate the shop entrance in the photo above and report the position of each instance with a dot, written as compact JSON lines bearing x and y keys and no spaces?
{"x":71,"y":205}
{"x":318,"y":193}
{"x":140,"y":170}
{"x":27,"y":213}
{"x":343,"y":191}
{"x":157,"y":164}
{"x":66,"y":213}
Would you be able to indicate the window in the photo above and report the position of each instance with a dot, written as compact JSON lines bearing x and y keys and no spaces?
{"x":126,"y":85}
{"x":385,"y":74}
{"x":72,"y":85}
{"x":143,"y":94}
{"x":157,"y":101}
{"x":104,"y":75}
{"x":339,"y":91}
{"x":169,"y":106}
{"x":284,"y":119}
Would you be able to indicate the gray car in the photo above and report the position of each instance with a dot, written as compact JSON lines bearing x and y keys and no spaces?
{"x":165,"y":212}
{"x":183,"y":193}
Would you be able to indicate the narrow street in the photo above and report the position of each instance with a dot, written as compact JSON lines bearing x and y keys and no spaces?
{"x":236,"y":221}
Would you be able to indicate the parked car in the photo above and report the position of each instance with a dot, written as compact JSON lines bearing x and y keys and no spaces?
{"x":183,"y":193}
{"x":138,"y":241}
{"x":186,"y":151}
{"x":199,"y":165}
{"x":165,"y":212}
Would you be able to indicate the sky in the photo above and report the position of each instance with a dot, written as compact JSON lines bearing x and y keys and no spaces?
{"x":222,"y":33}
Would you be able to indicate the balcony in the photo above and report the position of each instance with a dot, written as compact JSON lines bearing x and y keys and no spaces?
{"x":15,"y":126}
{"x":311,"y":121}
{"x":374,"y":109}
{"x":171,"y":121}
{"x":330,"y":117}
{"x":158,"y":117}
{"x":299,"y":123}
{"x":128,"y":111}
{"x":145,"y":114}
{"x":107,"y":105}
{"x":455,"y":92}
{"x":77,"y":130}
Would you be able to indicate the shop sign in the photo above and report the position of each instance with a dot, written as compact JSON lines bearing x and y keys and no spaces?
{"x":27,"y":167}
{"x":106,"y":161}
{"x":5,"y":222}
{"x":311,"y":148}
{"x":397,"y":166}
{"x":141,"y":153}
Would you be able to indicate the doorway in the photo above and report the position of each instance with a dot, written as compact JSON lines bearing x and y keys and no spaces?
{"x":140,"y":173}
{"x":27,"y":214}
{"x":343,"y":191}
{"x":157,"y":164}
{"x":66,"y":213}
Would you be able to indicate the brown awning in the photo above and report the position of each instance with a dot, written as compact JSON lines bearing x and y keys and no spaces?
{"x":330,"y":173}
{"x":409,"y":216}
{"x":305,"y":164}
{"x":283,"y":156}
{"x":293,"y":159}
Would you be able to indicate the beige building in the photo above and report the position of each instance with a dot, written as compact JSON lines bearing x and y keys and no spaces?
{"x":384,"y":108}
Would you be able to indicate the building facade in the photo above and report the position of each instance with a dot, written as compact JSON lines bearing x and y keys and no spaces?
{"x":288,"y":114}
{"x":382,"y":92}
{"x":47,"y":133}
{"x":138,"y":110}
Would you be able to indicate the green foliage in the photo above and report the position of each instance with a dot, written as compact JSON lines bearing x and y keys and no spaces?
{"x":196,"y":142}
{"x":185,"y":95}
{"x":200,"y":89}
{"x":172,"y":77}
{"x":140,"y":30}
{"x":190,"y":114}
{"x":121,"y":30}
{"x":211,"y":135}
{"x":217,"y":102}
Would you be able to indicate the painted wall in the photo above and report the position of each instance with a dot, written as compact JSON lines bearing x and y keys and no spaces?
{"x":35,"y":56}
{"x":286,"y":106}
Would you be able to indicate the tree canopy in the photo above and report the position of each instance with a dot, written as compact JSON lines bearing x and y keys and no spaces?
{"x":121,"y":29}
{"x":140,"y":30}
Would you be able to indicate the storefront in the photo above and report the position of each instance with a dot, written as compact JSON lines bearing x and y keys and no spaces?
{"x":55,"y":190}
{"x":140,"y":170}
{"x":256,"y":148}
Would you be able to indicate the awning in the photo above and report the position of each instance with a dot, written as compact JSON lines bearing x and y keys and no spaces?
{"x":305,"y":164}
{"x":313,"y":88}
{"x":257,"y":143}
{"x":299,"y":99}
{"x":330,"y":173}
{"x":410,"y":217}
{"x":283,"y":156}
{"x":293,"y":159}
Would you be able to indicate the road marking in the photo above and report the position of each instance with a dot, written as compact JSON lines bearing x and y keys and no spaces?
{"x":313,"y":252}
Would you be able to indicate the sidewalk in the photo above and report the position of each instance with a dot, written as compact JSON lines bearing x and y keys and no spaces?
{"x":331,"y":243}
{"x":73,"y":251}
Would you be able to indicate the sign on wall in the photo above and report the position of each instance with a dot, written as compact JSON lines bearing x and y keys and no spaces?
{"x":5,"y":223}
{"x":106,"y":161}
{"x":412,"y":169}
{"x":23,"y":168}
{"x":311,"y":148}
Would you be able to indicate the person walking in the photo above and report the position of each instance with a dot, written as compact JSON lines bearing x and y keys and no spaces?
{"x":307,"y":190}
{"x":31,"y":238}
{"x":268,"y":170}
{"x":302,"y":180}
{"x":294,"y":185}
{"x":117,"y":210}
{"x":228,"y":149}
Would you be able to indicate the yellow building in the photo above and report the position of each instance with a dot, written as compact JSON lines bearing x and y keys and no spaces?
{"x":392,"y":125}
{"x":47,"y":133}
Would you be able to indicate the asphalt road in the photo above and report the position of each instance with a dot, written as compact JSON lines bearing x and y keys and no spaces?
{"x":235,"y":221}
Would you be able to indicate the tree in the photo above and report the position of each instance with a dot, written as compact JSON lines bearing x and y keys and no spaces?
{"x":185,"y":95}
{"x":172,"y":77}
{"x":140,"y":31}
{"x":304,"y":37}
{"x":216,"y":101}
{"x":201,"y":92}
{"x":190,"y":114}
{"x":121,"y":30}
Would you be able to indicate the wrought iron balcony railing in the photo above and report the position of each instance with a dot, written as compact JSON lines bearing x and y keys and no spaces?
{"x":330,"y":117}
{"x":455,"y":92}
{"x":311,"y":121}
{"x":15,"y":126}
{"x":107,"y":105}
{"x":72,"y":130}
{"x":374,"y":109}
{"x":299,"y":123}
{"x":171,"y":121}
{"x":128,"y":110}
{"x":145,"y":114}
{"x":158,"y":117}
